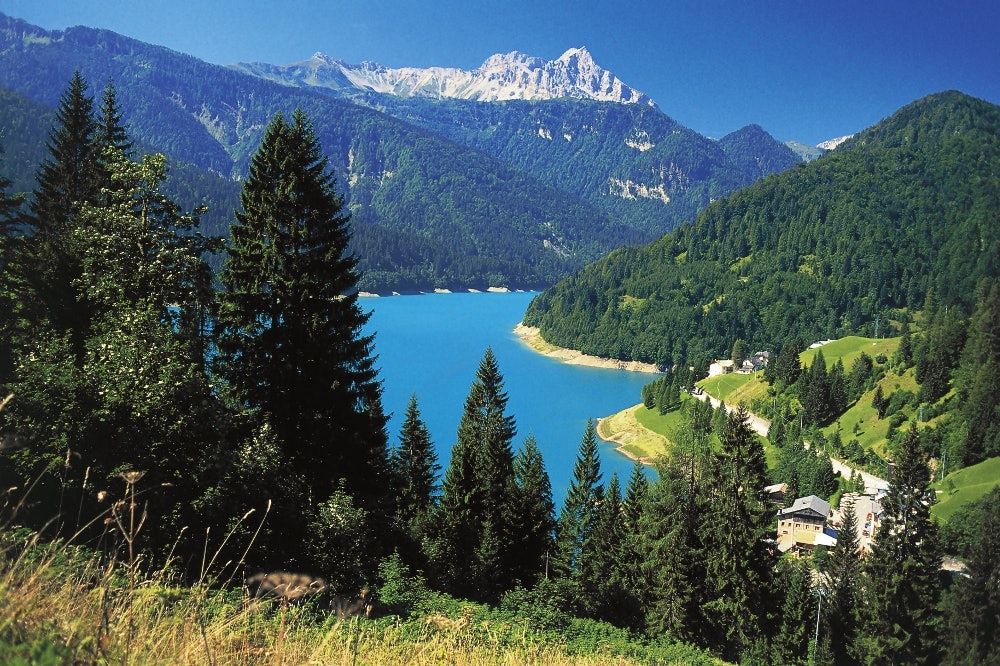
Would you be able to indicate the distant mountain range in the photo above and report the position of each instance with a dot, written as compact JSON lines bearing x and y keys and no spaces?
{"x":445,"y":190}
{"x":502,"y":77}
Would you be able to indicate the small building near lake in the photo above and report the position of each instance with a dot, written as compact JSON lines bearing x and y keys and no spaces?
{"x":802,"y":526}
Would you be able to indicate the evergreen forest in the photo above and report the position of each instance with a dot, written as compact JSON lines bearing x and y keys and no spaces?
{"x":903,"y":214}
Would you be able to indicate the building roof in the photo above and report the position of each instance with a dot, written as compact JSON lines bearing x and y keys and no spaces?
{"x":812,"y":505}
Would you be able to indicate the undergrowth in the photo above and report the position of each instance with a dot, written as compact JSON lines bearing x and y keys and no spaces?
{"x":61,"y":603}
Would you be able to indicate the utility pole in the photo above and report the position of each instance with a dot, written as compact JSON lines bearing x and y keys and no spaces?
{"x":819,"y":592}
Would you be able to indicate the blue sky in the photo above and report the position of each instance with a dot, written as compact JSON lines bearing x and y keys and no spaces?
{"x":808,"y":70}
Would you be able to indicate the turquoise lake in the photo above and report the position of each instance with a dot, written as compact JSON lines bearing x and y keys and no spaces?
{"x":431,"y":345}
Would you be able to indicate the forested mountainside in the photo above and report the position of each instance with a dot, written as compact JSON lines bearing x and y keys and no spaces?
{"x":907,"y":208}
{"x":26,"y":125}
{"x":427,"y":212}
{"x":631,"y":160}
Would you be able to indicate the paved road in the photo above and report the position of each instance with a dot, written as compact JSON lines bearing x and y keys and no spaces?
{"x":761,"y":426}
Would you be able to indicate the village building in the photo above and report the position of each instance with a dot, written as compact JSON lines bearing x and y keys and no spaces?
{"x":802,"y":526}
{"x":776,"y":493}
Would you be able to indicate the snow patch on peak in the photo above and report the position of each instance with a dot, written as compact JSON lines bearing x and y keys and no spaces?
{"x":833,"y":143}
{"x":503,"y":76}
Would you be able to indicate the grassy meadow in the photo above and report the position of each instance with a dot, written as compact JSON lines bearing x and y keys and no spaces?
{"x":965,"y":486}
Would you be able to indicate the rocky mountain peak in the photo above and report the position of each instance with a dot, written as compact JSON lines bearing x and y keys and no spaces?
{"x":501,"y":77}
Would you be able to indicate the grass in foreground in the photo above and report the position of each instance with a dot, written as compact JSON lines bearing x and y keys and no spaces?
{"x":62,"y":604}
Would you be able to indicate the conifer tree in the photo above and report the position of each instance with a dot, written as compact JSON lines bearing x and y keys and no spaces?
{"x":604,"y":565}
{"x":47,"y":263}
{"x":10,"y":211}
{"x":415,"y":472}
{"x":977,"y":380}
{"x":636,"y":492}
{"x":672,"y":562}
{"x":815,"y":392}
{"x":843,"y":575}
{"x":739,"y":563}
{"x":972,"y":619}
{"x":899,"y":624}
{"x":579,"y":512}
{"x":535,"y":514}
{"x":475,"y":525}
{"x":289,"y":326}
{"x":798,"y":614}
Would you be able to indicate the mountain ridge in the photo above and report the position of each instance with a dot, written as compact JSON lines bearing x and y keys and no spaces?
{"x":444,"y":193}
{"x":501,"y":77}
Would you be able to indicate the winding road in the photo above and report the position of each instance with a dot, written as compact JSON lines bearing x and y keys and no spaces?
{"x":761,"y":426}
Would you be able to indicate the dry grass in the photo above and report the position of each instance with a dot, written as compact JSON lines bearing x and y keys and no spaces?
{"x":61,"y":604}
{"x":85,"y":617}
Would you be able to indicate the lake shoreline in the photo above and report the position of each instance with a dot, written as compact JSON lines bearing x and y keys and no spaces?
{"x":489,"y":290}
{"x":532,"y":337}
{"x":624,"y":430}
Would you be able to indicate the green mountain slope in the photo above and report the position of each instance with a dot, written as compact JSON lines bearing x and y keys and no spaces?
{"x":632,"y":161}
{"x":909,"y":206}
{"x":428,"y":212}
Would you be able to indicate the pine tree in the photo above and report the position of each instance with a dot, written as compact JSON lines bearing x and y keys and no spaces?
{"x":535,"y":514}
{"x":837,"y":384}
{"x":977,"y":381}
{"x":607,"y":564}
{"x":415,"y":473}
{"x":905,"y":350}
{"x":10,"y":212}
{"x":579,"y":512}
{"x":798,"y":614}
{"x":843,"y":576}
{"x":111,"y":130}
{"x":901,"y":574}
{"x":636,"y":492}
{"x":739,"y":563}
{"x":973,"y":611}
{"x":787,"y":366}
{"x":815,"y":392}
{"x":289,"y":326}
{"x":476,"y":524}
{"x":739,"y":353}
{"x":672,"y":563}
{"x":47,"y":263}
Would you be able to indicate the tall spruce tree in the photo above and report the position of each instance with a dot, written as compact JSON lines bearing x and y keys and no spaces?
{"x":475,"y":524}
{"x":673,"y":574}
{"x":798,"y":614}
{"x":604,"y":575}
{"x":899,"y":624}
{"x":977,"y":380}
{"x":535,"y":514}
{"x":47,"y":263}
{"x":579,"y":511}
{"x":415,"y":473}
{"x":740,"y":566}
{"x":972,"y":616}
{"x":10,"y":212}
{"x":290,"y":340}
{"x":843,"y":576}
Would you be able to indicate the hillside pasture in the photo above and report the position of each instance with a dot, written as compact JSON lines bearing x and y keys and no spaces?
{"x":964,"y":487}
